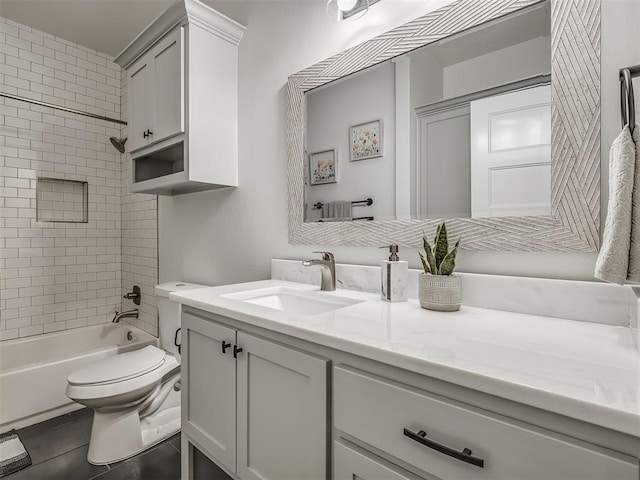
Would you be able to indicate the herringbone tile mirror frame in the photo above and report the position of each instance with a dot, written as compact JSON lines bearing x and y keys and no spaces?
{"x":575,"y":144}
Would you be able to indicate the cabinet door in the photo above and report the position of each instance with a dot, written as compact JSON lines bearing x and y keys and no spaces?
{"x":140,"y":102}
{"x":167,"y":60}
{"x":282,"y":412}
{"x":349,"y":464}
{"x":209,"y":387}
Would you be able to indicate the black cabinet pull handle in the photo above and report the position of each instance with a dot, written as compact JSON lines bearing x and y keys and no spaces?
{"x":148,"y":133}
{"x":225,"y":345}
{"x":465,"y":455}
{"x":236,"y":351}
{"x":175,"y":341}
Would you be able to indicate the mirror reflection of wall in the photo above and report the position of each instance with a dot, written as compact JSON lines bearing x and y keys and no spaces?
{"x":331,"y":111}
{"x":465,"y":119}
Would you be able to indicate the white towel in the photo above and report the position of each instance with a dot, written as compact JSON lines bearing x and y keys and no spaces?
{"x":613,"y":260}
{"x":338,"y":211}
{"x":633,"y":273}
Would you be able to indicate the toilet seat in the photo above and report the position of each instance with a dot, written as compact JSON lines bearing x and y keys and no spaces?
{"x":132,"y":387}
{"x":118,"y":368}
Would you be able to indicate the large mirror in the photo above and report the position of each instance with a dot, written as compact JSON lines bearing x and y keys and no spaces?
{"x":474,"y":116}
{"x":482,"y":113}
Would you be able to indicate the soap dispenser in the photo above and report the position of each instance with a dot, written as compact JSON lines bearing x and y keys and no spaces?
{"x":395,"y":277}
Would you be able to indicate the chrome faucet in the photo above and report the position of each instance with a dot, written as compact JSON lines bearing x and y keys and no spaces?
{"x":128,"y":314}
{"x":327,"y":269}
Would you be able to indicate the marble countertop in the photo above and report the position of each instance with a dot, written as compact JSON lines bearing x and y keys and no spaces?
{"x":582,"y":370}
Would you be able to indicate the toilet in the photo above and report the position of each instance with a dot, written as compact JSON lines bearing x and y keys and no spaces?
{"x":135,"y":396}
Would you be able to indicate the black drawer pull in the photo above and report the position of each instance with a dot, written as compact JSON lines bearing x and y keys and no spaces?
{"x":175,"y":342}
{"x":236,"y":351}
{"x":148,"y":133}
{"x":225,"y":345}
{"x":465,"y":455}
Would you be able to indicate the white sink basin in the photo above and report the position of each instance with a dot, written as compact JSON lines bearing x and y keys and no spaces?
{"x":293,"y":301}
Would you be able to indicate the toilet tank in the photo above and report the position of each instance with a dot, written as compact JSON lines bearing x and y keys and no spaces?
{"x":169,"y":313}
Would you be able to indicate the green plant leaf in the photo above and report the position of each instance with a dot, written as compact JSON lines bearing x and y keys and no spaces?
{"x":431,"y":260}
{"x":448,"y":265}
{"x":425,"y":265}
{"x":441,"y":245}
{"x":435,"y":239}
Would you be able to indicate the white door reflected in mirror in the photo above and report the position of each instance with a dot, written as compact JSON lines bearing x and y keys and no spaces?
{"x":511,"y":154}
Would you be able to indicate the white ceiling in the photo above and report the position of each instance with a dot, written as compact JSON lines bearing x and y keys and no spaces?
{"x":103,"y":25}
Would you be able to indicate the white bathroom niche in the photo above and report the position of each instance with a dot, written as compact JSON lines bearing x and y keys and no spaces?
{"x":59,"y":200}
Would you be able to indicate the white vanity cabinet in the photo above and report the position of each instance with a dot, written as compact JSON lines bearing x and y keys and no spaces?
{"x":182,"y":74}
{"x":256,"y":407}
{"x":278,"y":411}
{"x":454,"y":441}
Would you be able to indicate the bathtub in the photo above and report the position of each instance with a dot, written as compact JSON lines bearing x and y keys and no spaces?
{"x":34,"y":370}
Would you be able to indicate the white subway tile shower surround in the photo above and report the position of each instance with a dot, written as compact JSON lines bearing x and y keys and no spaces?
{"x":57,"y":276}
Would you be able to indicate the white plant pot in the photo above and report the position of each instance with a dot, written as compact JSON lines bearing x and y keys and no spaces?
{"x":442,"y":293}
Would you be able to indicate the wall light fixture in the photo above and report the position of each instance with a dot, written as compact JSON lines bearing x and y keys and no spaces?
{"x":348,"y":9}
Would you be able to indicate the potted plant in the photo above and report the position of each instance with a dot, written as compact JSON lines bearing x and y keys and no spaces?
{"x":439,"y":288}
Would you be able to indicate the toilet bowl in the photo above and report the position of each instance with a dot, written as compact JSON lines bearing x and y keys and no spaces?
{"x":135,"y":396}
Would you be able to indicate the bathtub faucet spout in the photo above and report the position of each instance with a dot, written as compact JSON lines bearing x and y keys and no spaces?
{"x":128,"y":314}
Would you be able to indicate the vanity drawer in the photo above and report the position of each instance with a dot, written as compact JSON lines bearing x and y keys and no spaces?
{"x":349,"y":464}
{"x":392,"y":417}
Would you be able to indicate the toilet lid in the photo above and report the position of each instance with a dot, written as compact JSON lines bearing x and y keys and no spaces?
{"x":119,"y":367}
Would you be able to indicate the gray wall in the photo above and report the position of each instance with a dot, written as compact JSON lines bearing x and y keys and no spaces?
{"x":330,"y":113}
{"x":231,"y":235}
{"x":506,"y":65}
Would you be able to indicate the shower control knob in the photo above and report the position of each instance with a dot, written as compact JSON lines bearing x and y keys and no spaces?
{"x":148,"y":133}
{"x":134,"y":295}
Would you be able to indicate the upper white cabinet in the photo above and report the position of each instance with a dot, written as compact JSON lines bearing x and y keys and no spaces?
{"x":156,"y":92}
{"x":139,"y":82}
{"x":182,"y":101}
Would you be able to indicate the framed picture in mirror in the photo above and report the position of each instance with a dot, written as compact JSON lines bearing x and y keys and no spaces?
{"x":323,"y":167}
{"x":366,"y":140}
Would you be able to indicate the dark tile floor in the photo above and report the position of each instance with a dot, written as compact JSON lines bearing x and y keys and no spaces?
{"x":58,"y":449}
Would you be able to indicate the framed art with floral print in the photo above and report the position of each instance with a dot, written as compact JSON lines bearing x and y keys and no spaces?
{"x":322,"y":167}
{"x":366,"y":140}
